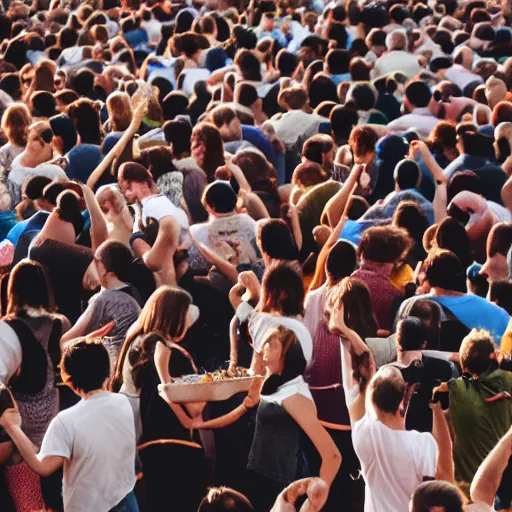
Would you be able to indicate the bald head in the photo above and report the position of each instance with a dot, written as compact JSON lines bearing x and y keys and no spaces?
{"x":110,"y":199}
{"x":396,"y":40}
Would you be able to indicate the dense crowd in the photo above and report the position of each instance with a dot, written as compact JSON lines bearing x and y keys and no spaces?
{"x":318,"y":192}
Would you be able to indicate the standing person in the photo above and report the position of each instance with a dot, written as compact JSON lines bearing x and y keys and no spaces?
{"x":137,"y":185}
{"x":36,"y":331}
{"x":94,"y":440}
{"x":117,"y":301}
{"x":394,"y":461}
{"x":286,"y":408}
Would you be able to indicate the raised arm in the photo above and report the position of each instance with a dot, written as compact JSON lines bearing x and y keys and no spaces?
{"x":419,"y":147}
{"x":99,"y":231}
{"x":445,"y":469}
{"x":506,"y":192}
{"x":127,"y":136}
{"x":335,"y":207}
{"x":488,"y":477}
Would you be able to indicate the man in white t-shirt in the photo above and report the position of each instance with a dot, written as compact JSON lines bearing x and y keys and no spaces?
{"x":394,"y":461}
{"x":94,"y":440}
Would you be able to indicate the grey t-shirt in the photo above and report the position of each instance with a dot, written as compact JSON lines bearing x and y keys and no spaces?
{"x":116,"y":305}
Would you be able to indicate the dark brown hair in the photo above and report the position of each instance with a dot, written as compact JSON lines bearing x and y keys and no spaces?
{"x":384,"y":244}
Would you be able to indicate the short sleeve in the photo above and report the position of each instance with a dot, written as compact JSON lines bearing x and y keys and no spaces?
{"x":360,"y":436}
{"x":427,"y":452}
{"x":57,"y":441}
{"x":244,"y":311}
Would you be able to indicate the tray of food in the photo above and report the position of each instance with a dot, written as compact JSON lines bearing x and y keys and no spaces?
{"x":208,"y":387}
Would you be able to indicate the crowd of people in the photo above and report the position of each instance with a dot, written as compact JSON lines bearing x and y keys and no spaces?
{"x":319,"y":192}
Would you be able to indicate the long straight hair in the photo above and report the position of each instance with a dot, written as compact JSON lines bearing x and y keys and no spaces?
{"x":29,"y":287}
{"x":165,"y":314}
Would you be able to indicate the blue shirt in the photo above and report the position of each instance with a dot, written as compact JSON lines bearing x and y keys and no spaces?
{"x":82,"y":160}
{"x":474,"y":312}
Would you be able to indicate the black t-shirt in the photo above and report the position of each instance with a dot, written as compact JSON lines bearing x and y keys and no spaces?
{"x":419,"y":414}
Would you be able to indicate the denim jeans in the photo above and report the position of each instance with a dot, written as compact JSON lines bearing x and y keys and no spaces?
{"x":127,"y":504}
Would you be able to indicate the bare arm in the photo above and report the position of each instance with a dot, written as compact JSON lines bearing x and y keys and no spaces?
{"x":335,"y":207}
{"x":488,"y":477}
{"x":295,"y":225}
{"x":79,"y":329}
{"x":99,"y":231}
{"x":445,"y":469}
{"x":419,"y":147}
{"x":303,"y":411}
{"x":11,"y":421}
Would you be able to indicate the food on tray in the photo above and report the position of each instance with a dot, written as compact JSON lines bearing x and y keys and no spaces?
{"x":219,"y":375}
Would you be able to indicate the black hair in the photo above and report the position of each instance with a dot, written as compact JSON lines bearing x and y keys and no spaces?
{"x":34,"y":186}
{"x":220,"y":196}
{"x":444,"y":270}
{"x":286,"y":63}
{"x":116,"y":258}
{"x":418,"y":93}
{"x":175,"y":104}
{"x":62,"y":126}
{"x":341,"y":261}
{"x":178,"y":134}
{"x":338,"y":61}
{"x":277,"y":241}
{"x":407,"y":173}
{"x":85,"y":365}
{"x":436,"y":494}
{"x":68,"y":208}
{"x":501,"y":294}
{"x":52,"y":191}
{"x":411,"y":333}
{"x":460,"y":181}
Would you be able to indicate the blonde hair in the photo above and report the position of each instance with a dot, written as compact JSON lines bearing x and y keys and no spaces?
{"x":15,"y":123}
{"x":120,"y":111}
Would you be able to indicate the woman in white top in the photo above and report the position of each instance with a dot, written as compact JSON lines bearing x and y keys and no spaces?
{"x":285,"y":408}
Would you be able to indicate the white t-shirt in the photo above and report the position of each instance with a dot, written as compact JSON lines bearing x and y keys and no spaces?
{"x":97,"y":439}
{"x":19,"y":173}
{"x":393,"y":463}
{"x":161,"y":206}
{"x":10,"y":352}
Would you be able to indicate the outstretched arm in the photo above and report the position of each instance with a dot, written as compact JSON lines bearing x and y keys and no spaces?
{"x":488,"y":477}
{"x":445,"y":469}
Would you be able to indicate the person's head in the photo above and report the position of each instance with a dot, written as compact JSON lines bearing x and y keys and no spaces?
{"x":436,"y":495}
{"x":293,"y":98}
{"x":357,"y":306}
{"x":224,"y":499}
{"x":476,"y":352}
{"x":33,"y":189}
{"x":29,"y":288}
{"x":69,"y":209}
{"x":39,"y":141}
{"x":113,"y":260}
{"x":286,"y":63}
{"x":409,"y":216}
{"x":313,"y":47}
{"x":452,"y":236}
{"x":275,"y":241}
{"x":11,"y":84}
{"x":384,"y":244}
{"x":503,"y":141}
{"x":500,"y":292}
{"x":499,"y":242}
{"x":135,"y":181}
{"x":85,"y":115}
{"x":83,"y":83}
{"x":219,"y":198}
{"x":227,"y":122}
{"x":443,"y":138}
{"x":308,"y":174}
{"x":15,"y":123}
{"x":376,"y":41}
{"x":362,"y":141}
{"x":249,"y":65}
{"x":462,"y":181}
{"x":85,"y":366}
{"x":319,"y":149}
{"x":444,"y":270}
{"x":411,"y":334}
{"x":44,"y":73}
{"x":502,"y":113}
{"x":246,"y":95}
{"x":207,"y":148}
{"x":155,"y":317}
{"x":174,"y":104}
{"x":396,"y":41}
{"x":120,"y":113}
{"x":64,"y":133}
{"x":407,"y":175}
{"x":417,"y":95}
{"x":157,"y":160}
{"x":341,"y":261}
{"x":282,"y":290}
{"x":386,"y":391}
{"x":178,"y":134}
{"x":337,"y":62}
{"x":359,"y":70}
{"x":343,"y":119}
{"x":362,"y":96}
{"x":284,"y":357}
{"x":322,"y":88}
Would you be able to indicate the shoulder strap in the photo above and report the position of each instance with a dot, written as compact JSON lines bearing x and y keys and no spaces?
{"x":31,"y":375}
